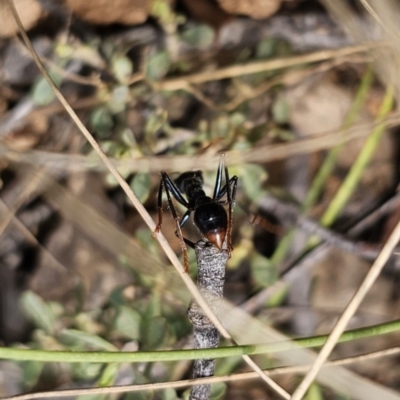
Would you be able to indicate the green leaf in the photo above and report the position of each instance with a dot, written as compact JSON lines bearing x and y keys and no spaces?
{"x":158,"y":65}
{"x":86,"y":322}
{"x":84,"y":340}
{"x":101,"y":121}
{"x":108,"y":376}
{"x":117,"y":297}
{"x":115,"y":149}
{"x":169,"y":394}
{"x":237,"y":119}
{"x":38,"y":311}
{"x":161,"y":9}
{"x":199,"y":36}
{"x":251,"y":178}
{"x":314,"y":393}
{"x":281,"y":110}
{"x":263,"y":271}
{"x":145,"y":395}
{"x":86,"y":371}
{"x":156,"y":330}
{"x":142,"y":235}
{"x":128,"y":138}
{"x":31,"y":371}
{"x":220,"y":127}
{"x":257,"y":133}
{"x":122,"y":68}
{"x":128,"y":322}
{"x":218,"y":390}
{"x":227,"y":365}
{"x":118,"y":99}
{"x":265,"y":49}
{"x":278,"y":297}
{"x":42,"y":93}
{"x":155,"y":122}
{"x":141,"y":186}
{"x":110,"y":179}
{"x":153,"y":308}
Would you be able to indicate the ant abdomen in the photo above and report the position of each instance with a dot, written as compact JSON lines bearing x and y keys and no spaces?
{"x":212,"y":221}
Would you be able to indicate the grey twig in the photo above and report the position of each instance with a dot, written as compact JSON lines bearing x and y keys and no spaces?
{"x":289,"y":215}
{"x":292,"y":269}
{"x":211,"y":277}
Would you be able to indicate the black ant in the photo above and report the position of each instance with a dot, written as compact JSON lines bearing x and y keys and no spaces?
{"x":210,"y":216}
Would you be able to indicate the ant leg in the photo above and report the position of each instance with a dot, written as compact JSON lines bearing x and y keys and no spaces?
{"x":229,"y":198}
{"x":230,"y":190}
{"x":184,"y":218}
{"x":168,"y":185}
{"x":178,"y":197}
{"x":168,"y":182}
{"x":160,"y":210}
{"x":183,"y":222}
{"x":189,"y":243}
{"x":176,"y":218}
{"x":233,"y":184}
{"x":218,"y":181}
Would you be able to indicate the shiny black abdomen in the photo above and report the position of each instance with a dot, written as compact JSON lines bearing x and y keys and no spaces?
{"x":211,"y":217}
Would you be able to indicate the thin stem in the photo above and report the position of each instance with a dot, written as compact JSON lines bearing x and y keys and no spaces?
{"x":179,"y":355}
{"x":188,"y":382}
{"x":330,"y":161}
{"x":353,"y":177}
{"x":63,"y":163}
{"x":261,"y":66}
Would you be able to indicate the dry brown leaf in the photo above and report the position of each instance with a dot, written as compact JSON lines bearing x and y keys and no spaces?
{"x":29,"y":12}
{"x":208,"y":12}
{"x":29,"y":135}
{"x":257,"y":9}
{"x":110,"y":12}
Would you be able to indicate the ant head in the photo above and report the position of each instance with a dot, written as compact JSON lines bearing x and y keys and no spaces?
{"x":182,"y":180}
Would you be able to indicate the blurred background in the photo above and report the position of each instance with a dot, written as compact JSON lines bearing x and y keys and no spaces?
{"x":299,"y":94}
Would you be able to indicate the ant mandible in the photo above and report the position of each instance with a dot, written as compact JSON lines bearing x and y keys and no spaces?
{"x":210,"y":216}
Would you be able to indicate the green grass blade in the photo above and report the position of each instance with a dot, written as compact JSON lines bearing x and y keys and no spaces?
{"x":354,"y":176}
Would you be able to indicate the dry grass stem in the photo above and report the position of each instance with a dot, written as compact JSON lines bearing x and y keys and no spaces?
{"x":32,"y":239}
{"x":262,"y":154}
{"x":182,"y":83}
{"x":32,"y":183}
{"x":369,"y":8}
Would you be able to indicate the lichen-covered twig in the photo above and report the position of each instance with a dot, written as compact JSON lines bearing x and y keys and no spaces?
{"x":211,"y":277}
